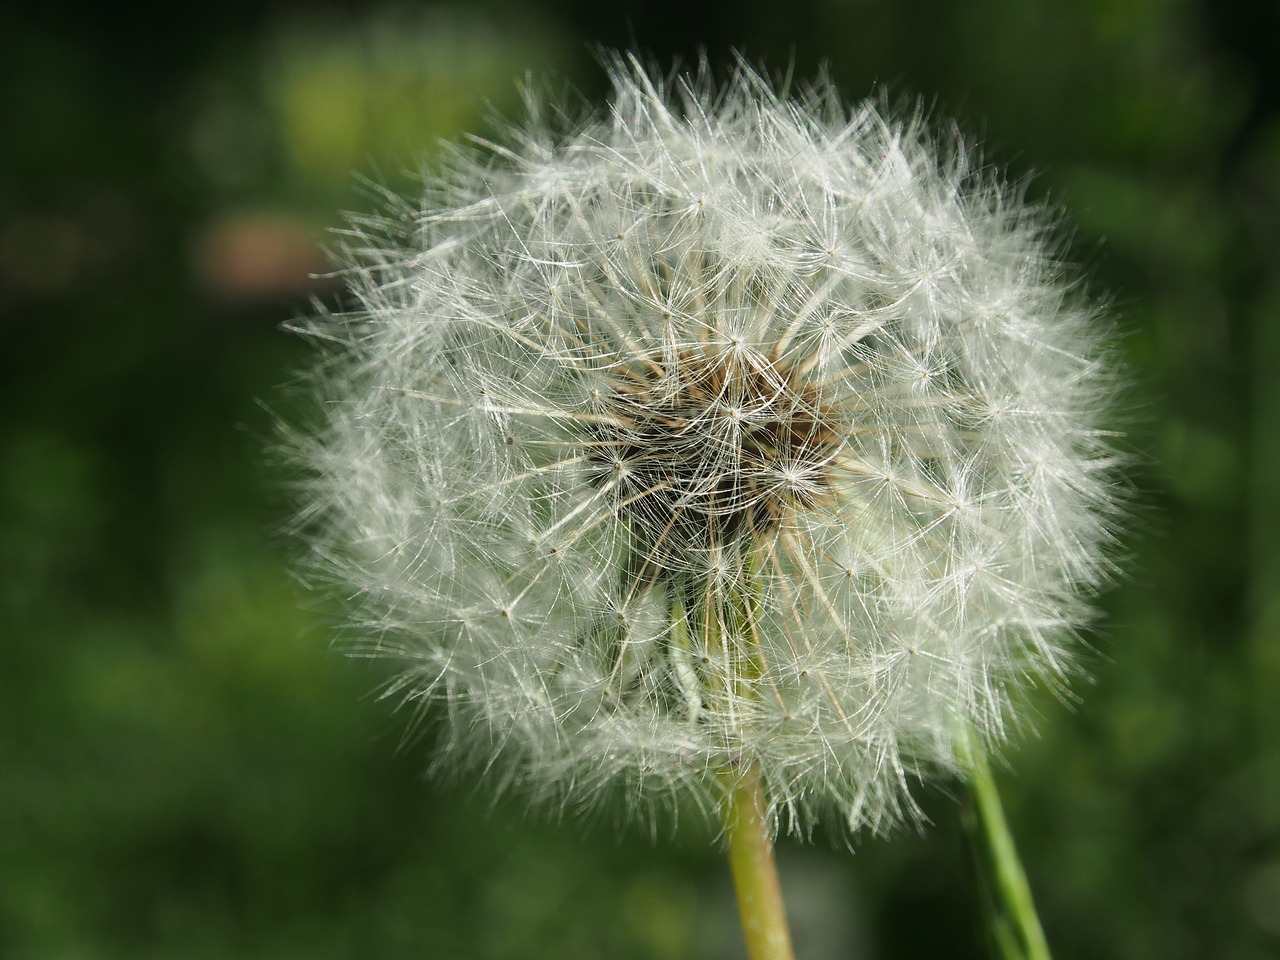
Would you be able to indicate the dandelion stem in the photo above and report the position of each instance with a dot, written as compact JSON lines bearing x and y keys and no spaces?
{"x":1015,"y":925}
{"x":751,"y":859}
{"x":755,"y":872}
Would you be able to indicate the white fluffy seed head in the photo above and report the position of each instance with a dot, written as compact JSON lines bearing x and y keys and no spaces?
{"x":723,"y":429}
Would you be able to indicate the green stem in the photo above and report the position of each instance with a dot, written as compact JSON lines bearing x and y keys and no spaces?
{"x":1015,"y":925}
{"x":755,"y":872}
{"x":751,"y":858}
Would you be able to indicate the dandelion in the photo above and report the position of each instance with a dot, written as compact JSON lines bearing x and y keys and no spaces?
{"x":729,"y":446}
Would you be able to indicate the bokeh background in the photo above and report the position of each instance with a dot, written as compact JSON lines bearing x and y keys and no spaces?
{"x":186,"y":768}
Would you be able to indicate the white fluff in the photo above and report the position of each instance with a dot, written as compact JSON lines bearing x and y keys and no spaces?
{"x":838,"y":366}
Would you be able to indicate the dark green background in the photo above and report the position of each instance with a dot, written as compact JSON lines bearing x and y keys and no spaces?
{"x":186,"y":770}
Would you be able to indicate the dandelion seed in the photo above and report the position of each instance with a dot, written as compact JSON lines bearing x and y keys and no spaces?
{"x":724,"y":432}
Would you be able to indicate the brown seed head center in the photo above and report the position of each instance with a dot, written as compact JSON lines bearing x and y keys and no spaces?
{"x":704,"y":448}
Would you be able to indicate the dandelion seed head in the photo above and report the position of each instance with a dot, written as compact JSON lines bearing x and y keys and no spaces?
{"x":723,"y":428}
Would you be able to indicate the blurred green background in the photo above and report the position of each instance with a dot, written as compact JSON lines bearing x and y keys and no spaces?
{"x":186,"y":770}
